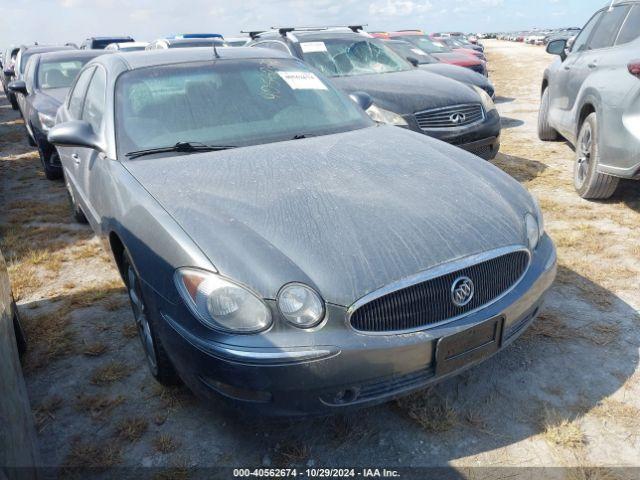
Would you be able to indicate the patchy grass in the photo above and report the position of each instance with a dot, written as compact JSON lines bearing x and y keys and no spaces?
{"x":619,"y":413}
{"x":93,"y":455}
{"x":561,"y":431}
{"x":94,"y":349}
{"x":164,"y":444}
{"x":431,"y":412}
{"x":292,"y":453}
{"x":130,"y":330}
{"x":132,"y":429}
{"x":51,"y":338}
{"x":45,"y":412}
{"x":98,"y":406}
{"x":110,"y":373}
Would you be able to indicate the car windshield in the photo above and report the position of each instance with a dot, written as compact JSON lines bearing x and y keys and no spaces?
{"x":338,"y":57}
{"x":228,"y":102}
{"x":101,"y":44}
{"x":59,"y":73}
{"x":405,"y":50}
{"x":426,"y":44}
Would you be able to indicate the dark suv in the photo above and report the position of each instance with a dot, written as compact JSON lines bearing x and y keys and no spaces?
{"x":402,"y":95}
{"x":591,"y":97}
{"x":100,"y":43}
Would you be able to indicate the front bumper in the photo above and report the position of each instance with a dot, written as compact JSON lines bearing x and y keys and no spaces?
{"x":357,"y":370}
{"x":482,"y":139}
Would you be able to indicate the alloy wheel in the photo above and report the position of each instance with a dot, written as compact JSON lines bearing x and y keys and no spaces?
{"x":585,"y":146}
{"x":142,"y":321}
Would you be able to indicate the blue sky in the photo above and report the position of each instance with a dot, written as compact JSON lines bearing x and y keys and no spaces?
{"x":74,"y":20}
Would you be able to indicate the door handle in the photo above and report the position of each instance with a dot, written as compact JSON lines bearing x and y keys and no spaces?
{"x":76,"y":158}
{"x":593,"y":65}
{"x":567,"y":67}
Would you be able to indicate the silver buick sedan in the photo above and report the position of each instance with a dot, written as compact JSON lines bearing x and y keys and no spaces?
{"x":283,"y":251}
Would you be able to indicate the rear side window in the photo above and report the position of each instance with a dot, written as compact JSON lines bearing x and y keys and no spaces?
{"x":631,"y":27}
{"x":77,"y":96}
{"x":581,"y":42}
{"x":608,"y":28}
{"x":94,"y":101}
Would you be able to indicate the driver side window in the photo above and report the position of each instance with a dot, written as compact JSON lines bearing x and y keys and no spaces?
{"x":580,"y":44}
{"x":76,"y":99}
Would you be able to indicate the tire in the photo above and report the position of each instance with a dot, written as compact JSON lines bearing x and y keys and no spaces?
{"x":545,"y":132}
{"x":157,"y":359}
{"x":588,"y":182}
{"x":78,"y":214}
{"x":51,"y":172}
{"x":30,"y":140}
{"x":21,"y":337}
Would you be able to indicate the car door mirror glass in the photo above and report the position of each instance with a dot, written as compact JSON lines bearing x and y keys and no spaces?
{"x":363,"y":99}
{"x":76,"y":133}
{"x":557,"y":47}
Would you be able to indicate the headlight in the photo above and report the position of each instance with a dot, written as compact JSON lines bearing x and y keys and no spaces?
{"x":301,"y":305}
{"x":534,"y":223}
{"x":381,"y":115}
{"x":221,"y":304}
{"x":46,"y":121}
{"x":487,"y":103}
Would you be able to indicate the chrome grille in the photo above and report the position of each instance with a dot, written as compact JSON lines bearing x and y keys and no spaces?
{"x":429,"y":302}
{"x":450,"y":117}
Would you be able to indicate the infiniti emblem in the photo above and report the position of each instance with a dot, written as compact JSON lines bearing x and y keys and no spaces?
{"x":458,"y":118}
{"x":462,"y":291}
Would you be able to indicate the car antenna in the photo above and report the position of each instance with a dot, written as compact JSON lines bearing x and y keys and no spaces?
{"x":215,"y":51}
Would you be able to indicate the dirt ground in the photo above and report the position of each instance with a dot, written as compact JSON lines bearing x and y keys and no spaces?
{"x":566,"y":394}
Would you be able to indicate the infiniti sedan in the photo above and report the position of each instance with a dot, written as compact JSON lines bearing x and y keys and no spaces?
{"x":281,"y":249}
{"x":404,"y":96}
{"x":49,"y":76}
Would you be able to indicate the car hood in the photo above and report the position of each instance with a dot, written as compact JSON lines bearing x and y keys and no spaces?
{"x":455,"y":72}
{"x":458,"y":59}
{"x":347,"y":213}
{"x":409,"y":92}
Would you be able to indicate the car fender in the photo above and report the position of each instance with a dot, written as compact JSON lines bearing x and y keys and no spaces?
{"x":588,"y":98}
{"x":155,"y":241}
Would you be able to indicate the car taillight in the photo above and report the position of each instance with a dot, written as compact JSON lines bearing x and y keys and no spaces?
{"x":634,"y":68}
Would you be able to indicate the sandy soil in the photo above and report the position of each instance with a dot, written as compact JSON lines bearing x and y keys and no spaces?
{"x":566,"y":394}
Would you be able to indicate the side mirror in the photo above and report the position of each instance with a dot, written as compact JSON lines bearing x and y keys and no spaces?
{"x":363,"y":99}
{"x":413,"y":61}
{"x":18,"y":87}
{"x":76,"y":133}
{"x":558,"y":47}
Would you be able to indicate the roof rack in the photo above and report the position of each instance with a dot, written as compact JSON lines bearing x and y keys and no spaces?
{"x":253,"y":34}
{"x":285,"y":30}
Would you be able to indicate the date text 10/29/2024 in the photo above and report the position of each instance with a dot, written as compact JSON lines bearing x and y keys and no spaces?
{"x":315,"y":473}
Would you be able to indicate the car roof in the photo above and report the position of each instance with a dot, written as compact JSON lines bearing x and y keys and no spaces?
{"x":46,"y":48}
{"x":114,"y":37}
{"x":151,"y":58}
{"x":66,"y":54}
{"x":191,"y":41}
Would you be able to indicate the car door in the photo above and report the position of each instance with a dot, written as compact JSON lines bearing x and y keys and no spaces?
{"x":29,"y":79}
{"x":559,"y":96}
{"x":92,"y":113}
{"x":69,"y":156}
{"x":620,"y":95}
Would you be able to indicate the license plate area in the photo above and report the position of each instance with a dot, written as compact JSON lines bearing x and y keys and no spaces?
{"x":474,"y":344}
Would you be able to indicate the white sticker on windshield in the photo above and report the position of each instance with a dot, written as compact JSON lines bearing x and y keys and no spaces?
{"x":417,"y":51}
{"x":302,"y":81}
{"x":312,"y":47}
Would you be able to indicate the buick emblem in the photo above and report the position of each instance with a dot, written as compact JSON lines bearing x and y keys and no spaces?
{"x":458,"y":118}
{"x":462,"y":291}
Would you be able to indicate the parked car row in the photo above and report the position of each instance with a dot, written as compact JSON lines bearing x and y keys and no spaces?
{"x":284,"y":244}
{"x":539,"y":37}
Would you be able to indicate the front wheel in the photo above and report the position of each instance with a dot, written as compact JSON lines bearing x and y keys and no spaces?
{"x":589,"y":183}
{"x":545,"y":131}
{"x":51,"y":171}
{"x":157,"y":359}
{"x":77,"y":212}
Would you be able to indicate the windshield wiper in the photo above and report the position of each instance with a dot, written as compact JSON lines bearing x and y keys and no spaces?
{"x":181,"y":147}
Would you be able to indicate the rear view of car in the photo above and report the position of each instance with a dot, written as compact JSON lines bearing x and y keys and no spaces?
{"x":591,"y":97}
